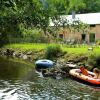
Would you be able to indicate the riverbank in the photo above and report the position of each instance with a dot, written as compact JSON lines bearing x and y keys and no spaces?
{"x":76,"y":55}
{"x":65,"y":57}
{"x":61,"y":66}
{"x":77,"y":48}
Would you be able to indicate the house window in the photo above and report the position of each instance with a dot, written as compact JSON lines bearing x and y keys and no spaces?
{"x":83,"y":37}
{"x":93,"y":25}
{"x":61,"y":35}
{"x":92,"y":37}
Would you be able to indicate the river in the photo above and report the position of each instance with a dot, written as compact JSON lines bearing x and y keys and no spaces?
{"x":19,"y":81}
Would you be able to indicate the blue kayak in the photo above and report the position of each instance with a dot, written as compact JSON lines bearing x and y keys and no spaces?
{"x":44,"y":63}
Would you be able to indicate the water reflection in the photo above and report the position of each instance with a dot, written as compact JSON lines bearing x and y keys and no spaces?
{"x":12,"y":69}
{"x":20,"y":82}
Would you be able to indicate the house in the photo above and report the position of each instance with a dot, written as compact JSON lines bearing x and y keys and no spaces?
{"x":90,"y":36}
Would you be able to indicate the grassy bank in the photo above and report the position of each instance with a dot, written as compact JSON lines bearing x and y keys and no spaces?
{"x":39,"y":46}
{"x":79,"y":54}
{"x":28,"y":46}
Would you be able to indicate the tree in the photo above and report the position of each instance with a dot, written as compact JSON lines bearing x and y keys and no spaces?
{"x":69,"y":5}
{"x":75,"y":6}
{"x":31,"y":13}
{"x":92,"y":6}
{"x":79,"y":26}
{"x":10,"y":18}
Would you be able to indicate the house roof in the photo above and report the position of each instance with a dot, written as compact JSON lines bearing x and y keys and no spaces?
{"x":89,"y":18}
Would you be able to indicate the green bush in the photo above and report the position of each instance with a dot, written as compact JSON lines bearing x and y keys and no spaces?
{"x":53,"y":51}
{"x":3,"y":39}
{"x":29,"y":36}
{"x":98,"y":42}
{"x":94,"y":60}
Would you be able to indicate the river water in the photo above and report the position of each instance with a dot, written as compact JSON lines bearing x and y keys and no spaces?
{"x":19,"y":81}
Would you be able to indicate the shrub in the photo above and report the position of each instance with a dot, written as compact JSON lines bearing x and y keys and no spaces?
{"x":94,"y":60}
{"x":29,"y":36}
{"x":98,"y":42}
{"x":53,"y":51}
{"x":34,"y":35}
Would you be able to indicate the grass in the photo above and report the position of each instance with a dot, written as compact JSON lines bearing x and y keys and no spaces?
{"x":38,"y":46}
{"x":28,"y":46}
{"x":80,"y":50}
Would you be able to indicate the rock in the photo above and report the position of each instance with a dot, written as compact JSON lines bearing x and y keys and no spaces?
{"x":2,"y":52}
{"x":24,"y":57}
{"x":18,"y":54}
{"x":21,"y":55}
{"x":14,"y":54}
{"x":9,"y":52}
{"x":65,"y":69}
{"x":29,"y":52}
{"x":90,"y":49}
{"x":72,"y":65}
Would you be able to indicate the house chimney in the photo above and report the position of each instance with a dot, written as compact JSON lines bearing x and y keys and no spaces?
{"x":73,"y":14}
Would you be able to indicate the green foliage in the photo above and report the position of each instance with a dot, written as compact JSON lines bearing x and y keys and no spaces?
{"x":98,"y":42}
{"x":59,"y":7}
{"x":76,"y":4}
{"x":77,"y":49}
{"x":3,"y":39}
{"x":91,"y":6}
{"x":35,"y":13}
{"x":94,"y":60}
{"x":28,"y":46}
{"x":35,"y":35}
{"x":30,"y":13}
{"x":53,"y":51}
{"x":79,"y":26}
{"x":29,"y":36}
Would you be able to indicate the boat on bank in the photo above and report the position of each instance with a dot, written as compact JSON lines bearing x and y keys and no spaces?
{"x":76,"y":73}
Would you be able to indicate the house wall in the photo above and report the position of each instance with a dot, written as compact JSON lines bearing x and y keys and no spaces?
{"x":97,"y":35}
{"x":96,"y":31}
{"x":67,"y":34}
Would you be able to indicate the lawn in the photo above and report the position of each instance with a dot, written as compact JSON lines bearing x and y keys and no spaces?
{"x":39,"y":46}
{"x":27,"y":46}
{"x":82,"y":50}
